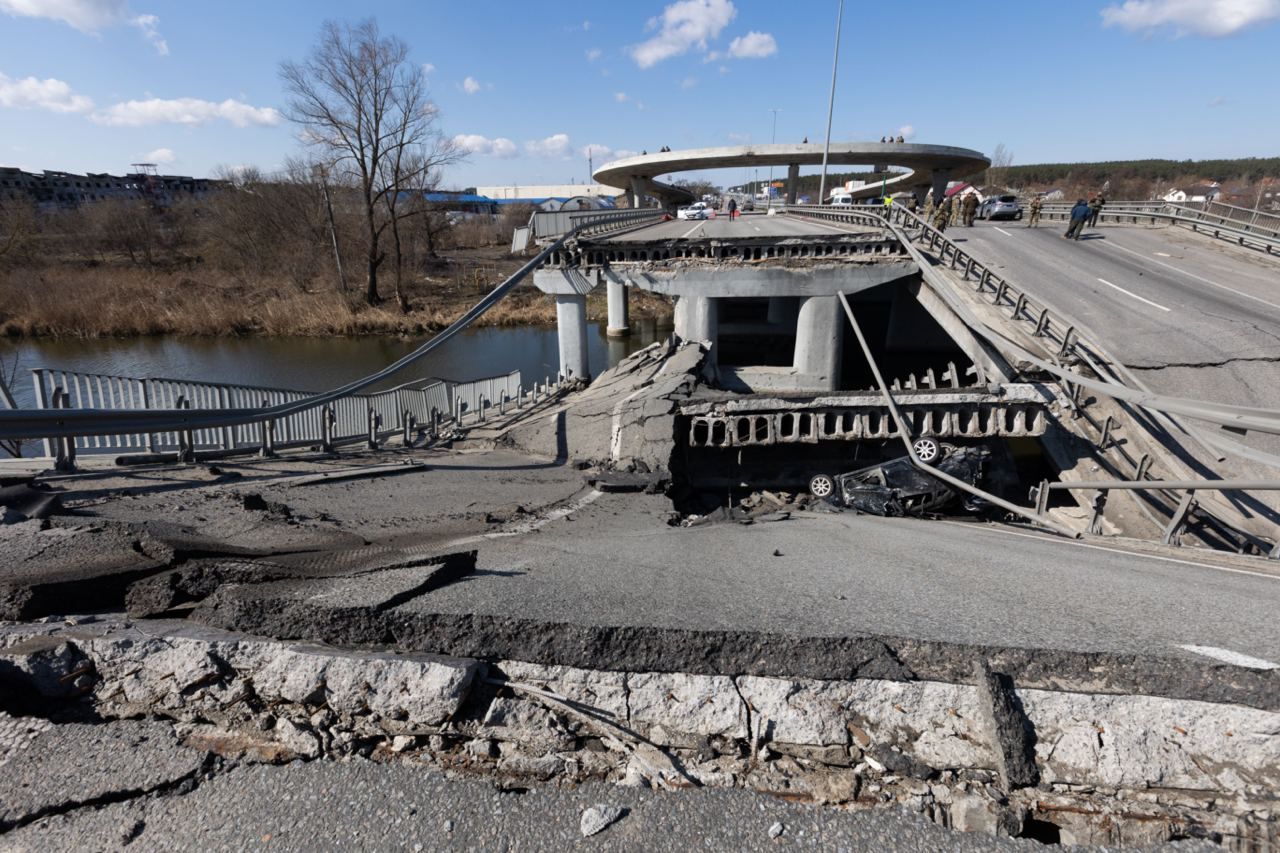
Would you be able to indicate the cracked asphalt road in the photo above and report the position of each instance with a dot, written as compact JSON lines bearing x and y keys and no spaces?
{"x":1198,"y":317}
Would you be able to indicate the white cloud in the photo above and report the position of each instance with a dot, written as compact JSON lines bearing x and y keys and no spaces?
{"x":682,"y":26}
{"x":148,"y":24}
{"x":604,"y":154}
{"x":907,"y":131}
{"x":1213,"y":18}
{"x":87,"y":16}
{"x":471,"y":85}
{"x":428,"y":67}
{"x":754,"y":45}
{"x":586,"y":25}
{"x":188,"y":111}
{"x":620,"y":97}
{"x":594,"y":53}
{"x":1218,"y":101}
{"x":48,"y":94}
{"x":162,"y":156}
{"x":556,"y":145}
{"x":740,"y":138}
{"x":474,"y":143}
{"x":688,"y":82}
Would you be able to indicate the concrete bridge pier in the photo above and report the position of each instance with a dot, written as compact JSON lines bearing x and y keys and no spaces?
{"x":940,"y":179}
{"x":571,"y":328}
{"x":698,"y":318}
{"x":820,"y":342}
{"x":619,"y":309}
{"x":637,"y":192}
{"x":793,"y":178}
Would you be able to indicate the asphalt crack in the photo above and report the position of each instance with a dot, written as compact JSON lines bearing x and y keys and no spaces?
{"x":1272,"y":359}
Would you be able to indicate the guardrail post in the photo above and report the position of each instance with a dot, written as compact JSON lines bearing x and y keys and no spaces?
{"x":146,"y":404}
{"x":502,"y":403}
{"x":1144,"y":465}
{"x":1042,"y":497}
{"x":1109,"y":424}
{"x":1187,"y":506}
{"x":186,"y":438}
{"x":1099,"y":506}
{"x":267,"y":432}
{"x":457,"y":412}
{"x":65,"y":453}
{"x":228,"y":433}
{"x":327,"y":421}
{"x":42,"y":402}
{"x":1067,"y":344}
{"x":374,"y":420}
{"x":435,"y":422}
{"x":480,"y":404}
{"x":409,"y":423}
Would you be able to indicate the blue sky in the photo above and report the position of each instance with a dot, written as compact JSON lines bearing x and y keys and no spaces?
{"x":94,"y":85}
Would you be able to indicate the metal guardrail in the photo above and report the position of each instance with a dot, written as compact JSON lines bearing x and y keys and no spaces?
{"x":1245,"y":218}
{"x":548,"y":225}
{"x":1062,"y":336}
{"x":1258,"y":235}
{"x":424,"y":405}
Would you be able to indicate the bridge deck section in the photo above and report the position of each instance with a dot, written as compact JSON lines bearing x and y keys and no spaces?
{"x":750,"y":226}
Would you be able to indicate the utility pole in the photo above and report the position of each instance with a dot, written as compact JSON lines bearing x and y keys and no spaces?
{"x":773,"y":138}
{"x":333,"y":231}
{"x":831,"y":105}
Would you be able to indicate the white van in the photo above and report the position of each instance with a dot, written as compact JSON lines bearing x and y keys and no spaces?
{"x":843,"y":200}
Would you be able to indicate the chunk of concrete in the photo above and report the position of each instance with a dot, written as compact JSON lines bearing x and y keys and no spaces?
{"x":1008,"y":730}
{"x":679,"y":704}
{"x":46,"y":667}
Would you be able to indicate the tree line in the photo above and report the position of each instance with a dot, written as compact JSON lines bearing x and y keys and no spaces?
{"x":1245,"y":170}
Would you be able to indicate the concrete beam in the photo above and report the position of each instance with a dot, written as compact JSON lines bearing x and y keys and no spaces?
{"x":566,"y":280}
{"x":571,"y":328}
{"x":770,"y":281}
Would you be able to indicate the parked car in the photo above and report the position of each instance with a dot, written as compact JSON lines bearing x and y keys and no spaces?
{"x":1000,"y":207}
{"x":697,"y":210}
{"x":842,"y":201}
{"x":897,"y":487}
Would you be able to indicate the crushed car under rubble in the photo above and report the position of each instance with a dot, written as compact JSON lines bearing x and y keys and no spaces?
{"x":897,"y":487}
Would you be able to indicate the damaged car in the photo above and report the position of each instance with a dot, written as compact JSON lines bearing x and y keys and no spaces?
{"x":898,"y":488}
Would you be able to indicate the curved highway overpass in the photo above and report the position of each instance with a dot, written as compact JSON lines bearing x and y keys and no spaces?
{"x":928,"y":165}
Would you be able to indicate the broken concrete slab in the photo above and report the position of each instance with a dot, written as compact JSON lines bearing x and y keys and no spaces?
{"x":75,"y":765}
{"x":1009,"y":732}
{"x":72,"y":568}
{"x":43,"y":666}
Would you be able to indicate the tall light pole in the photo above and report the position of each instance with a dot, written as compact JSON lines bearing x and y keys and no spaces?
{"x":831,"y":105}
{"x":773,"y":137}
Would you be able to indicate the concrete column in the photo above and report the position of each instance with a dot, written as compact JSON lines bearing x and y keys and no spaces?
{"x":637,"y":192}
{"x":619,"y":312}
{"x":793,"y":178}
{"x":571,"y":328}
{"x":820,"y":341}
{"x":697,"y":318}
{"x":782,"y":311}
{"x":941,"y":177}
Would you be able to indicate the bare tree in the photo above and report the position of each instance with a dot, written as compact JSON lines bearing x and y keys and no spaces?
{"x":364,"y":106}
{"x":1001,"y":160}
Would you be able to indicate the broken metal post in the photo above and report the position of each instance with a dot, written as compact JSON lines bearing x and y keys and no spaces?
{"x":327,"y":419}
{"x":1187,"y":506}
{"x":1099,"y":507}
{"x":409,"y":423}
{"x":457,"y":412}
{"x":502,"y":403}
{"x":66,"y":445}
{"x":186,"y":439}
{"x":1042,"y":497}
{"x":374,"y":419}
{"x":905,"y":435}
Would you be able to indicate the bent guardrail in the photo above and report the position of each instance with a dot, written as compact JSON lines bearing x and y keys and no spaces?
{"x":424,"y":403}
{"x":1259,"y":235}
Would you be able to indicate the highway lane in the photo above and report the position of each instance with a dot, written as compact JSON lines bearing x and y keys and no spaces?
{"x":721,"y":227}
{"x":1194,"y":316}
{"x":616,"y":562}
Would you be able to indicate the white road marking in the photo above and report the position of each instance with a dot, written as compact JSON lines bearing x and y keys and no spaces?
{"x":1134,"y":295}
{"x":691,"y":230}
{"x":1233,"y":658}
{"x":1078,"y":544}
{"x":1002,"y":231}
{"x":1193,"y":275}
{"x":1158,"y":254}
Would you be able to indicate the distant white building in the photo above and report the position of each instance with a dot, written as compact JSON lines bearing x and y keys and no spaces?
{"x":1194,"y":195}
{"x":543,"y":191}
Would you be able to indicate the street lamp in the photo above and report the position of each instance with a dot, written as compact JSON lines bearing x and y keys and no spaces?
{"x":831,"y":105}
{"x":772,"y":139}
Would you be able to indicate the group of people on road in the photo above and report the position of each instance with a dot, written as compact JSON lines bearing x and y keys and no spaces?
{"x":1084,"y":213}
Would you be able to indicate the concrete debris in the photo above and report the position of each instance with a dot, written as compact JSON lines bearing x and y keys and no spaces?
{"x":922,"y":744}
{"x":1008,"y":730}
{"x":598,"y":818}
{"x":777,"y":829}
{"x":26,"y":501}
{"x":49,"y":667}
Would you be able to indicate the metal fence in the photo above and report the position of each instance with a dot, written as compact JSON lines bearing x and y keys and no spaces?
{"x":1237,"y":224}
{"x":424,"y":402}
{"x":547,"y":225}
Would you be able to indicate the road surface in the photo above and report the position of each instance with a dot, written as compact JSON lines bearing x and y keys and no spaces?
{"x":750,"y":225}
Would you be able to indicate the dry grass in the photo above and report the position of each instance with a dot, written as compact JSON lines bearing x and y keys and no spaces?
{"x":78,"y":301}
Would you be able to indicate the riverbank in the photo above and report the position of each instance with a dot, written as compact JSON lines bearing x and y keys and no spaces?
{"x":79,"y":300}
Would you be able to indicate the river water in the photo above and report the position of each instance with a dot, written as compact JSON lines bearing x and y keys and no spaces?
{"x":317,"y":364}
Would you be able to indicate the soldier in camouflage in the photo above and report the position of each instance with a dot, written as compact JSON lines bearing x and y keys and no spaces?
{"x":1033,"y":221}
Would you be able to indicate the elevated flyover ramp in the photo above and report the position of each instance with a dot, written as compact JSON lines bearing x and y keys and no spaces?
{"x":927,"y":165}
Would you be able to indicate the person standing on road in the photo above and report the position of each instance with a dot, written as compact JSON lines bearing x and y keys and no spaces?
{"x":1034,"y":220}
{"x":733,"y":209}
{"x":970,"y":209}
{"x":956,"y":215}
{"x":1095,"y":207}
{"x":1079,"y":214}
{"x":943,"y":216}
{"x":928,"y":206}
